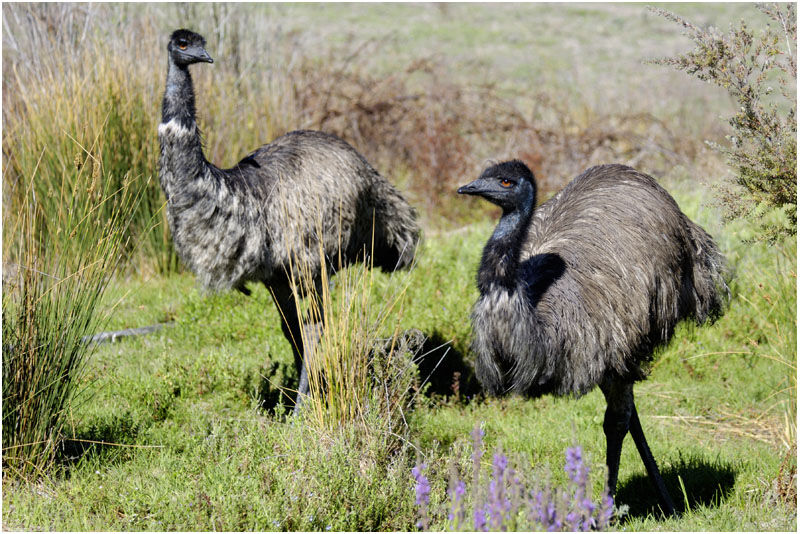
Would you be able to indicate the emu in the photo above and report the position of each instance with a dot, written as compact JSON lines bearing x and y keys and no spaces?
{"x":578,"y":292}
{"x":267,"y":218}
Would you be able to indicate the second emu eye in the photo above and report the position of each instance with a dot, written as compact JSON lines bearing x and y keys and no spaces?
{"x":506,"y":183}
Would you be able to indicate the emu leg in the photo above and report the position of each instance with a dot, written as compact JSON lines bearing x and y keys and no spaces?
{"x":290,"y":325}
{"x":621,"y":417}
{"x":619,"y":400}
{"x":650,"y":464}
{"x":312,"y":331}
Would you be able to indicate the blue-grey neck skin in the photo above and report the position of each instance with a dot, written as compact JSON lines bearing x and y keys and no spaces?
{"x":500,"y":260}
{"x":181,"y":147}
{"x":178,"y":101}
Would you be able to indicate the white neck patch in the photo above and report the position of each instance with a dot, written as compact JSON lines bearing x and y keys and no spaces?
{"x":174,"y":127}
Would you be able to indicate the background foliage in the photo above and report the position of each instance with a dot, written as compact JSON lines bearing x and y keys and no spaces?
{"x":749,"y":64}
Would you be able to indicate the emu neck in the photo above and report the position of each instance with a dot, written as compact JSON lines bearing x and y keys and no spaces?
{"x":500,"y":261}
{"x":181,"y":157}
{"x":178,"y":104}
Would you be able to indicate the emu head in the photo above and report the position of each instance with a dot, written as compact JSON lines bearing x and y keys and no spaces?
{"x":186,"y":47}
{"x":509,"y":184}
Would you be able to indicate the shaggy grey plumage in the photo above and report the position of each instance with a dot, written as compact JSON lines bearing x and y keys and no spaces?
{"x":579,"y":292}
{"x":278,"y":204}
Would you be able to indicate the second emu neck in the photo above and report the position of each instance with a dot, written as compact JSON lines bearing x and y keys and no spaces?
{"x":500,"y":261}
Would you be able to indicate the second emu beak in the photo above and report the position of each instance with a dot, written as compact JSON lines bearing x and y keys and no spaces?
{"x":473,"y":188}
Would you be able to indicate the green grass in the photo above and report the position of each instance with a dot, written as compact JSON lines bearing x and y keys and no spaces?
{"x":187,"y":428}
{"x":187,"y":447}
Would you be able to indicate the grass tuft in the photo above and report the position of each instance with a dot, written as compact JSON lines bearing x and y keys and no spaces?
{"x":362,"y":368}
{"x":55,"y":274}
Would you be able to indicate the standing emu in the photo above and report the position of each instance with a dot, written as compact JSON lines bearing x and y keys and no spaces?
{"x":269,"y":216}
{"x":579,"y":292}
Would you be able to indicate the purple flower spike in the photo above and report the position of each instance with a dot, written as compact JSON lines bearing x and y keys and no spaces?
{"x":423,"y":487}
{"x":477,"y":445}
{"x":574,"y":464}
{"x":461,"y":490}
{"x":498,"y":503}
{"x":423,"y":491}
{"x":501,"y":502}
{"x":499,"y":463}
{"x":457,"y":494}
{"x":479,"y":519}
{"x":606,"y":510}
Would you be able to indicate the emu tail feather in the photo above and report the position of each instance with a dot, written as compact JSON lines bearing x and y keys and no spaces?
{"x":396,"y":229}
{"x":711,"y":276}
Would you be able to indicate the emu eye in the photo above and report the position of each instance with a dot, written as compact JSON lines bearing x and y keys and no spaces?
{"x":506,"y":183}
{"x":182,"y":45}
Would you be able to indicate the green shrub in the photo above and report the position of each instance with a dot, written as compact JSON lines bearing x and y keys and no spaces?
{"x":763,"y":147}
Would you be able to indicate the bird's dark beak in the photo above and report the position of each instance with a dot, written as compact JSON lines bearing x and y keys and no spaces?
{"x":205,"y":57}
{"x":477,"y":187}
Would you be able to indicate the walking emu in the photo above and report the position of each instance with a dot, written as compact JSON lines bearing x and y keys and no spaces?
{"x":578,"y":292}
{"x":278,"y":207}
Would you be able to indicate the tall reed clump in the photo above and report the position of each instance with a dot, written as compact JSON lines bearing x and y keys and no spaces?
{"x":508,"y":500}
{"x":69,"y":88}
{"x":58,"y":256}
{"x":362,"y":374}
{"x":763,"y":147}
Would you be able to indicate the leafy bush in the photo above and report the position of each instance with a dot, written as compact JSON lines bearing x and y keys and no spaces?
{"x":763,"y":148}
{"x":505,"y":503}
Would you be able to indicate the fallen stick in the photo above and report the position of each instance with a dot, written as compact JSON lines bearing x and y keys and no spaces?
{"x":111,"y":337}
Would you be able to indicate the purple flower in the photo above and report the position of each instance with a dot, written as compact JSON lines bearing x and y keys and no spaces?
{"x":477,"y":446}
{"x":499,"y":496}
{"x":461,"y":490}
{"x":551,"y":520}
{"x":574,"y":464}
{"x":536,"y":508}
{"x":457,"y":493}
{"x":423,"y":491}
{"x":572,"y":520}
{"x":606,"y":510}
{"x":423,"y":487}
{"x":479,"y":518}
{"x":499,"y":464}
{"x":498,"y":503}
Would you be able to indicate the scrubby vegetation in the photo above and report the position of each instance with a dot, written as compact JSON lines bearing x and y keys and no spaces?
{"x":750,"y":65}
{"x":189,"y":428}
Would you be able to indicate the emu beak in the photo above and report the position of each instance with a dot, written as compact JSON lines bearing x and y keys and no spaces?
{"x":477,"y":187}
{"x":205,"y":57}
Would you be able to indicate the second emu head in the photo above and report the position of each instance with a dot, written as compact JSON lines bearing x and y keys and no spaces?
{"x":186,"y":47}
{"x":509,"y":184}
